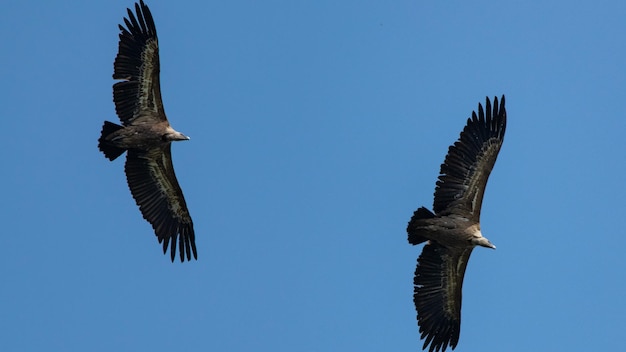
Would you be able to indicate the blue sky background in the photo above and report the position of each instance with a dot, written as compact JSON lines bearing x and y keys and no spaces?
{"x":317,"y":128}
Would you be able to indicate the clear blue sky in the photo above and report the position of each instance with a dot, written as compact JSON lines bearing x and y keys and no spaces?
{"x":317,"y":128}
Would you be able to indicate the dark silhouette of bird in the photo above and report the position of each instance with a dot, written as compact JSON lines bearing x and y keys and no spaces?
{"x":453,"y":230}
{"x":146,"y":135}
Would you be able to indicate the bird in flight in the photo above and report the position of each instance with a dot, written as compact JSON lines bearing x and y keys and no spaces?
{"x":146,"y":135}
{"x":453,"y":230}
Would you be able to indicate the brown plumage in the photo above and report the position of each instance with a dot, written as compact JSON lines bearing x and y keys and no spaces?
{"x":453,"y":230}
{"x":147,"y":135}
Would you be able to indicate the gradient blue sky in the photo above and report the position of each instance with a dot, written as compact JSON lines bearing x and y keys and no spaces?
{"x":317,"y":128}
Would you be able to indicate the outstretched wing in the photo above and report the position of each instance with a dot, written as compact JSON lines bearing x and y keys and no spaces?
{"x":138,"y":95}
{"x":437,"y":295}
{"x":464,"y":173}
{"x":153,"y":184}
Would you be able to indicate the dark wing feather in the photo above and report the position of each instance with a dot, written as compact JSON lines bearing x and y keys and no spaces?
{"x":437,"y":295}
{"x":464,"y":173}
{"x":153,"y":184}
{"x":137,"y":64}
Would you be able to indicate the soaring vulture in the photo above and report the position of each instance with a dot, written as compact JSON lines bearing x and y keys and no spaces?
{"x":453,"y":230}
{"x":147,"y":135}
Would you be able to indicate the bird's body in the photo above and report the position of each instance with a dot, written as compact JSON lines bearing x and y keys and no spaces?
{"x":146,"y":135}
{"x":142,"y":136}
{"x":453,"y":230}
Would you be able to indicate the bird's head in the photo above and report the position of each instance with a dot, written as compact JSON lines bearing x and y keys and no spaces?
{"x":172,"y":135}
{"x":483,"y":242}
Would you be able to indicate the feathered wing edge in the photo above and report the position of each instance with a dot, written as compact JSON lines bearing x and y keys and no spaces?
{"x":437,"y":295}
{"x":468,"y":164}
{"x":137,"y":64}
{"x":154,"y":187}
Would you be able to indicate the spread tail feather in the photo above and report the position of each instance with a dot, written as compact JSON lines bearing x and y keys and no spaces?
{"x":413,"y":227}
{"x":110,"y":151}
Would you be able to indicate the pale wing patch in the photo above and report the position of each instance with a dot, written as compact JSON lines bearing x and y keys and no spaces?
{"x":481,"y":172}
{"x":150,"y":96}
{"x":161,"y":170}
